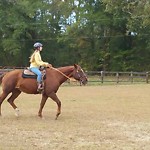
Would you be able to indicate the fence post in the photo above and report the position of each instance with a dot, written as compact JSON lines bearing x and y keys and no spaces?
{"x":102,"y":76}
{"x":117,"y":75}
{"x":147,"y":76}
{"x":131,"y":75}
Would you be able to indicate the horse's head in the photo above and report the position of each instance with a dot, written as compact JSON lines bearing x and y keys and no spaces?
{"x":79,"y":74}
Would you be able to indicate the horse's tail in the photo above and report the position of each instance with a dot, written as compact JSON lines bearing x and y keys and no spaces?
{"x":1,"y":77}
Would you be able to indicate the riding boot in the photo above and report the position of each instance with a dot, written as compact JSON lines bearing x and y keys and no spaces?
{"x":40,"y":87}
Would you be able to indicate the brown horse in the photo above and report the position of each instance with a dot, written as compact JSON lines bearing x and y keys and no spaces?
{"x":13,"y":82}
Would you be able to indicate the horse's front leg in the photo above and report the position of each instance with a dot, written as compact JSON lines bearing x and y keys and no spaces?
{"x":54,"y":97}
{"x":43,"y":101}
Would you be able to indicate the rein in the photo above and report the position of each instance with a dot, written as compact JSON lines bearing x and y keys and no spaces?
{"x":62,"y":73}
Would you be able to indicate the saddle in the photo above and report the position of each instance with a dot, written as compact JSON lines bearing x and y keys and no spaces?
{"x":27,"y":73}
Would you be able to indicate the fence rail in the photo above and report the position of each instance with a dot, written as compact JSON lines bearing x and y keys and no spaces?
{"x":8,"y":68}
{"x":103,"y":76}
{"x":118,"y":77}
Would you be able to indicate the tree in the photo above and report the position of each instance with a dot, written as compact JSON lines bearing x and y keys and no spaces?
{"x":97,"y":34}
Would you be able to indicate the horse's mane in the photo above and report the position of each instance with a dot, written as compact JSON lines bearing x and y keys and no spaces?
{"x":65,"y":67}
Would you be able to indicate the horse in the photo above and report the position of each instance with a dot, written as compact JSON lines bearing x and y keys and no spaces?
{"x":13,"y":82}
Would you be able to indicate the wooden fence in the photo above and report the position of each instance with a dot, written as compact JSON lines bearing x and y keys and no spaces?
{"x":101,"y":77}
{"x":118,"y":77}
{"x":8,"y":68}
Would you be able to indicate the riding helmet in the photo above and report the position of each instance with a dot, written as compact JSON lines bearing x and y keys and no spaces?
{"x":37,"y":44}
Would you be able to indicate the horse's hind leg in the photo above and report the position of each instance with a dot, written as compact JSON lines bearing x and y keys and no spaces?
{"x":54,"y":97}
{"x":15,"y":94}
{"x":2,"y":98}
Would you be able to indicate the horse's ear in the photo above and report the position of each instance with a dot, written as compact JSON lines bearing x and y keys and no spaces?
{"x":76,"y":66}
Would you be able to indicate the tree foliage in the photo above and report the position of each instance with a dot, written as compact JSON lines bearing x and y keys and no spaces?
{"x":97,"y":34}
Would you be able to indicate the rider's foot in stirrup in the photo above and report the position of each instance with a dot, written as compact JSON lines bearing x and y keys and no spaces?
{"x":40,"y":87}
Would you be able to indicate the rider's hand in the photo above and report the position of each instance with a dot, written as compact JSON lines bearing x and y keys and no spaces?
{"x":49,"y":66}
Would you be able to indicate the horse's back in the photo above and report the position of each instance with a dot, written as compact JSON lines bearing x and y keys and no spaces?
{"x":12,"y":75}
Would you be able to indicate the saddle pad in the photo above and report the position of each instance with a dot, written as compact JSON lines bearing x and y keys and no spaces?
{"x":28,"y":74}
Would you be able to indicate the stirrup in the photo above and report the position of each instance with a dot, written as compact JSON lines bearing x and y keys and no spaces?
{"x":40,"y":87}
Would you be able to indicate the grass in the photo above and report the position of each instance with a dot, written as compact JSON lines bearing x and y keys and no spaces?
{"x":112,"y":117}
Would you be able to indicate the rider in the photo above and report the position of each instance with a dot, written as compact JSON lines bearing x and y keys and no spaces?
{"x":36,"y":62}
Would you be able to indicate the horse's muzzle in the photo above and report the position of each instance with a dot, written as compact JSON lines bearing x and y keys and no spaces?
{"x":84,"y":80}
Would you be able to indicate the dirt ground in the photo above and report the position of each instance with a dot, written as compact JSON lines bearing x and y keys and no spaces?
{"x":105,"y":117}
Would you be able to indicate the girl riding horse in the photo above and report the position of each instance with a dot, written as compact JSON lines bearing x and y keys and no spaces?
{"x":36,"y":62}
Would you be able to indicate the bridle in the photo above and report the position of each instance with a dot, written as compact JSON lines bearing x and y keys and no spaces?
{"x":78,"y":75}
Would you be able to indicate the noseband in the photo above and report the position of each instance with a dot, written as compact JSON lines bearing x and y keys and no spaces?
{"x":80,"y":76}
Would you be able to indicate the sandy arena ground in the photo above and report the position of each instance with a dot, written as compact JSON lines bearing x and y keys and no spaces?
{"x":108,"y":117}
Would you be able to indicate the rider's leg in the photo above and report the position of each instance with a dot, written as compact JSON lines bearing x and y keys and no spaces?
{"x":39,"y":78}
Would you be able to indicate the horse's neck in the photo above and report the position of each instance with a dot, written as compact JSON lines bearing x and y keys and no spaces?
{"x":67,"y":71}
{"x":61,"y":74}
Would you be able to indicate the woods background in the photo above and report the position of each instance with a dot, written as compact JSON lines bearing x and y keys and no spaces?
{"x":97,"y":34}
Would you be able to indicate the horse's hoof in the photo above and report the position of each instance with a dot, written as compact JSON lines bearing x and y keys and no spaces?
{"x":17,"y":112}
{"x":57,"y":116}
{"x":39,"y":115}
